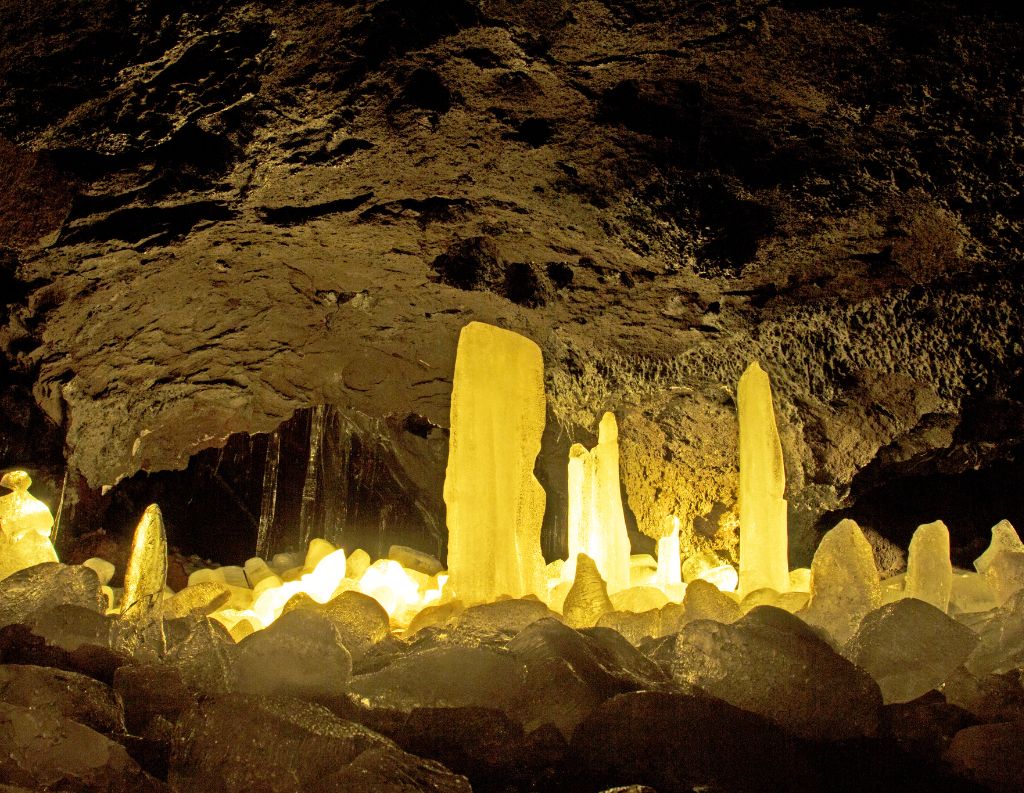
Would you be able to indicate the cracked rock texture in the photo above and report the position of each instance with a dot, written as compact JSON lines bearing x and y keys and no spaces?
{"x":216,"y":212}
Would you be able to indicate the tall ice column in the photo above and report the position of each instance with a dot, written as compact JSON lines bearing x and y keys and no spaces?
{"x":764,"y":539}
{"x":495,"y":504}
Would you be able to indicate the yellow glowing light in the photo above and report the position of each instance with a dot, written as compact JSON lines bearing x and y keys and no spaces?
{"x":25,"y":524}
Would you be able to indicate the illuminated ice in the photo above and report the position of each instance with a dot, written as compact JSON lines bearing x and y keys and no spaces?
{"x":1001,"y":640}
{"x":495,"y":503}
{"x":844,"y":582}
{"x":764,"y":541}
{"x":597,"y":524}
{"x":909,"y":647}
{"x":587,"y":599}
{"x":25,"y":524}
{"x":929,"y":571}
{"x":1004,"y":538}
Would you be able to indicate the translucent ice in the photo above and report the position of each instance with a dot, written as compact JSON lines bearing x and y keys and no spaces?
{"x":929,"y":571}
{"x":1001,"y":640}
{"x":764,"y":540}
{"x":588,"y":598}
{"x":844,"y":582}
{"x":25,"y":524}
{"x":1004,"y":538}
{"x":704,"y":601}
{"x":597,"y":524}
{"x":909,"y":647}
{"x":141,"y":614}
{"x":1005,"y":575}
{"x":495,"y":503}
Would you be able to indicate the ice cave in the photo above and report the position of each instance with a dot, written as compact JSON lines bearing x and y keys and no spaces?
{"x":555,"y":396}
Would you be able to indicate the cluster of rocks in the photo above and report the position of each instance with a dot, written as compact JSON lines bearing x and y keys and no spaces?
{"x":501,"y":697}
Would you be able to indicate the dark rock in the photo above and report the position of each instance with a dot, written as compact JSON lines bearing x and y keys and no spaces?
{"x":678,"y":742}
{"x":452,"y":676}
{"x":72,"y":695}
{"x":360,"y":621}
{"x":45,"y":586}
{"x":46,"y":751}
{"x":770,"y":663}
{"x":299,"y":655}
{"x":990,"y":754}
{"x":19,"y":645}
{"x":237,"y":743}
{"x":148,"y":691}
{"x":923,"y":728}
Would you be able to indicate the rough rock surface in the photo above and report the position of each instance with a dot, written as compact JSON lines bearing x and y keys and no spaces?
{"x":215,"y":213}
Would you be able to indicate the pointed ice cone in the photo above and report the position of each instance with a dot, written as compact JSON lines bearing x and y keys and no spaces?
{"x":146,"y":574}
{"x":495,"y":503}
{"x":764,"y":540}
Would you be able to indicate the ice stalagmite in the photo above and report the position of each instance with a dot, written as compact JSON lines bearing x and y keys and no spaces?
{"x":764,"y":542}
{"x":140,"y":626}
{"x":597,"y":523}
{"x":929,"y":571}
{"x":495,"y":504}
{"x":146,"y":574}
{"x":25,"y":524}
{"x":670,"y":574}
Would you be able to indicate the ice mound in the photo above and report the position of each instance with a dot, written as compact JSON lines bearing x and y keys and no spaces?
{"x":1001,"y":639}
{"x":772,"y":664}
{"x":990,"y":754}
{"x":498,"y":621}
{"x":587,"y":599}
{"x":909,"y":647}
{"x":704,"y":601}
{"x":361,"y":622}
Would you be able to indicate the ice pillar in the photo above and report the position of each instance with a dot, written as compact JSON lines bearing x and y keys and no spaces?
{"x":495,"y":504}
{"x":764,"y":541}
{"x":597,"y":523}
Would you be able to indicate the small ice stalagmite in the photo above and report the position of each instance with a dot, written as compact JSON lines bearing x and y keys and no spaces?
{"x":495,"y":503}
{"x":1002,"y":564}
{"x":140,"y":624}
{"x":764,"y":539}
{"x":597,"y":523}
{"x":929,"y":570}
{"x":1004,"y":539}
{"x":845,"y":584}
{"x":25,"y":525}
{"x":670,"y":574}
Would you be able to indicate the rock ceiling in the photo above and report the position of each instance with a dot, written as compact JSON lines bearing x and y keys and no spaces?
{"x":213,"y":213}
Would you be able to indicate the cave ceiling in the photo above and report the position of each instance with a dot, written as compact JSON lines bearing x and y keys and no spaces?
{"x":214,"y":213}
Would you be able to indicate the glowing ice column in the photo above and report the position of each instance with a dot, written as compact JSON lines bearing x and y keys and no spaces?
{"x":597,"y":524}
{"x":495,"y":504}
{"x":25,"y":524}
{"x":141,"y":619}
{"x":670,"y":575}
{"x":764,"y":541}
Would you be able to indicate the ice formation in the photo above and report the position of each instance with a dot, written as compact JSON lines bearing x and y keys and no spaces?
{"x":25,"y":525}
{"x":929,"y":572}
{"x":495,"y":504}
{"x":764,"y":542}
{"x":597,"y":524}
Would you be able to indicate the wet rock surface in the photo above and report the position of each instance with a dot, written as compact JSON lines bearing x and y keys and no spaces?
{"x":655,"y":194}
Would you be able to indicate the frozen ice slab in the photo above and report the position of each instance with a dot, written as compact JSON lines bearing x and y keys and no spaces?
{"x":909,"y":647}
{"x":1001,"y":639}
{"x":412,"y":559}
{"x":1004,"y":538}
{"x":929,"y":571}
{"x":587,"y":599}
{"x":46,"y":585}
{"x":1005,"y":575}
{"x":771,"y":663}
{"x":495,"y":503}
{"x":971,"y":592}
{"x":299,"y":655}
{"x":204,"y":598}
{"x":25,"y":524}
{"x":844,"y":582}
